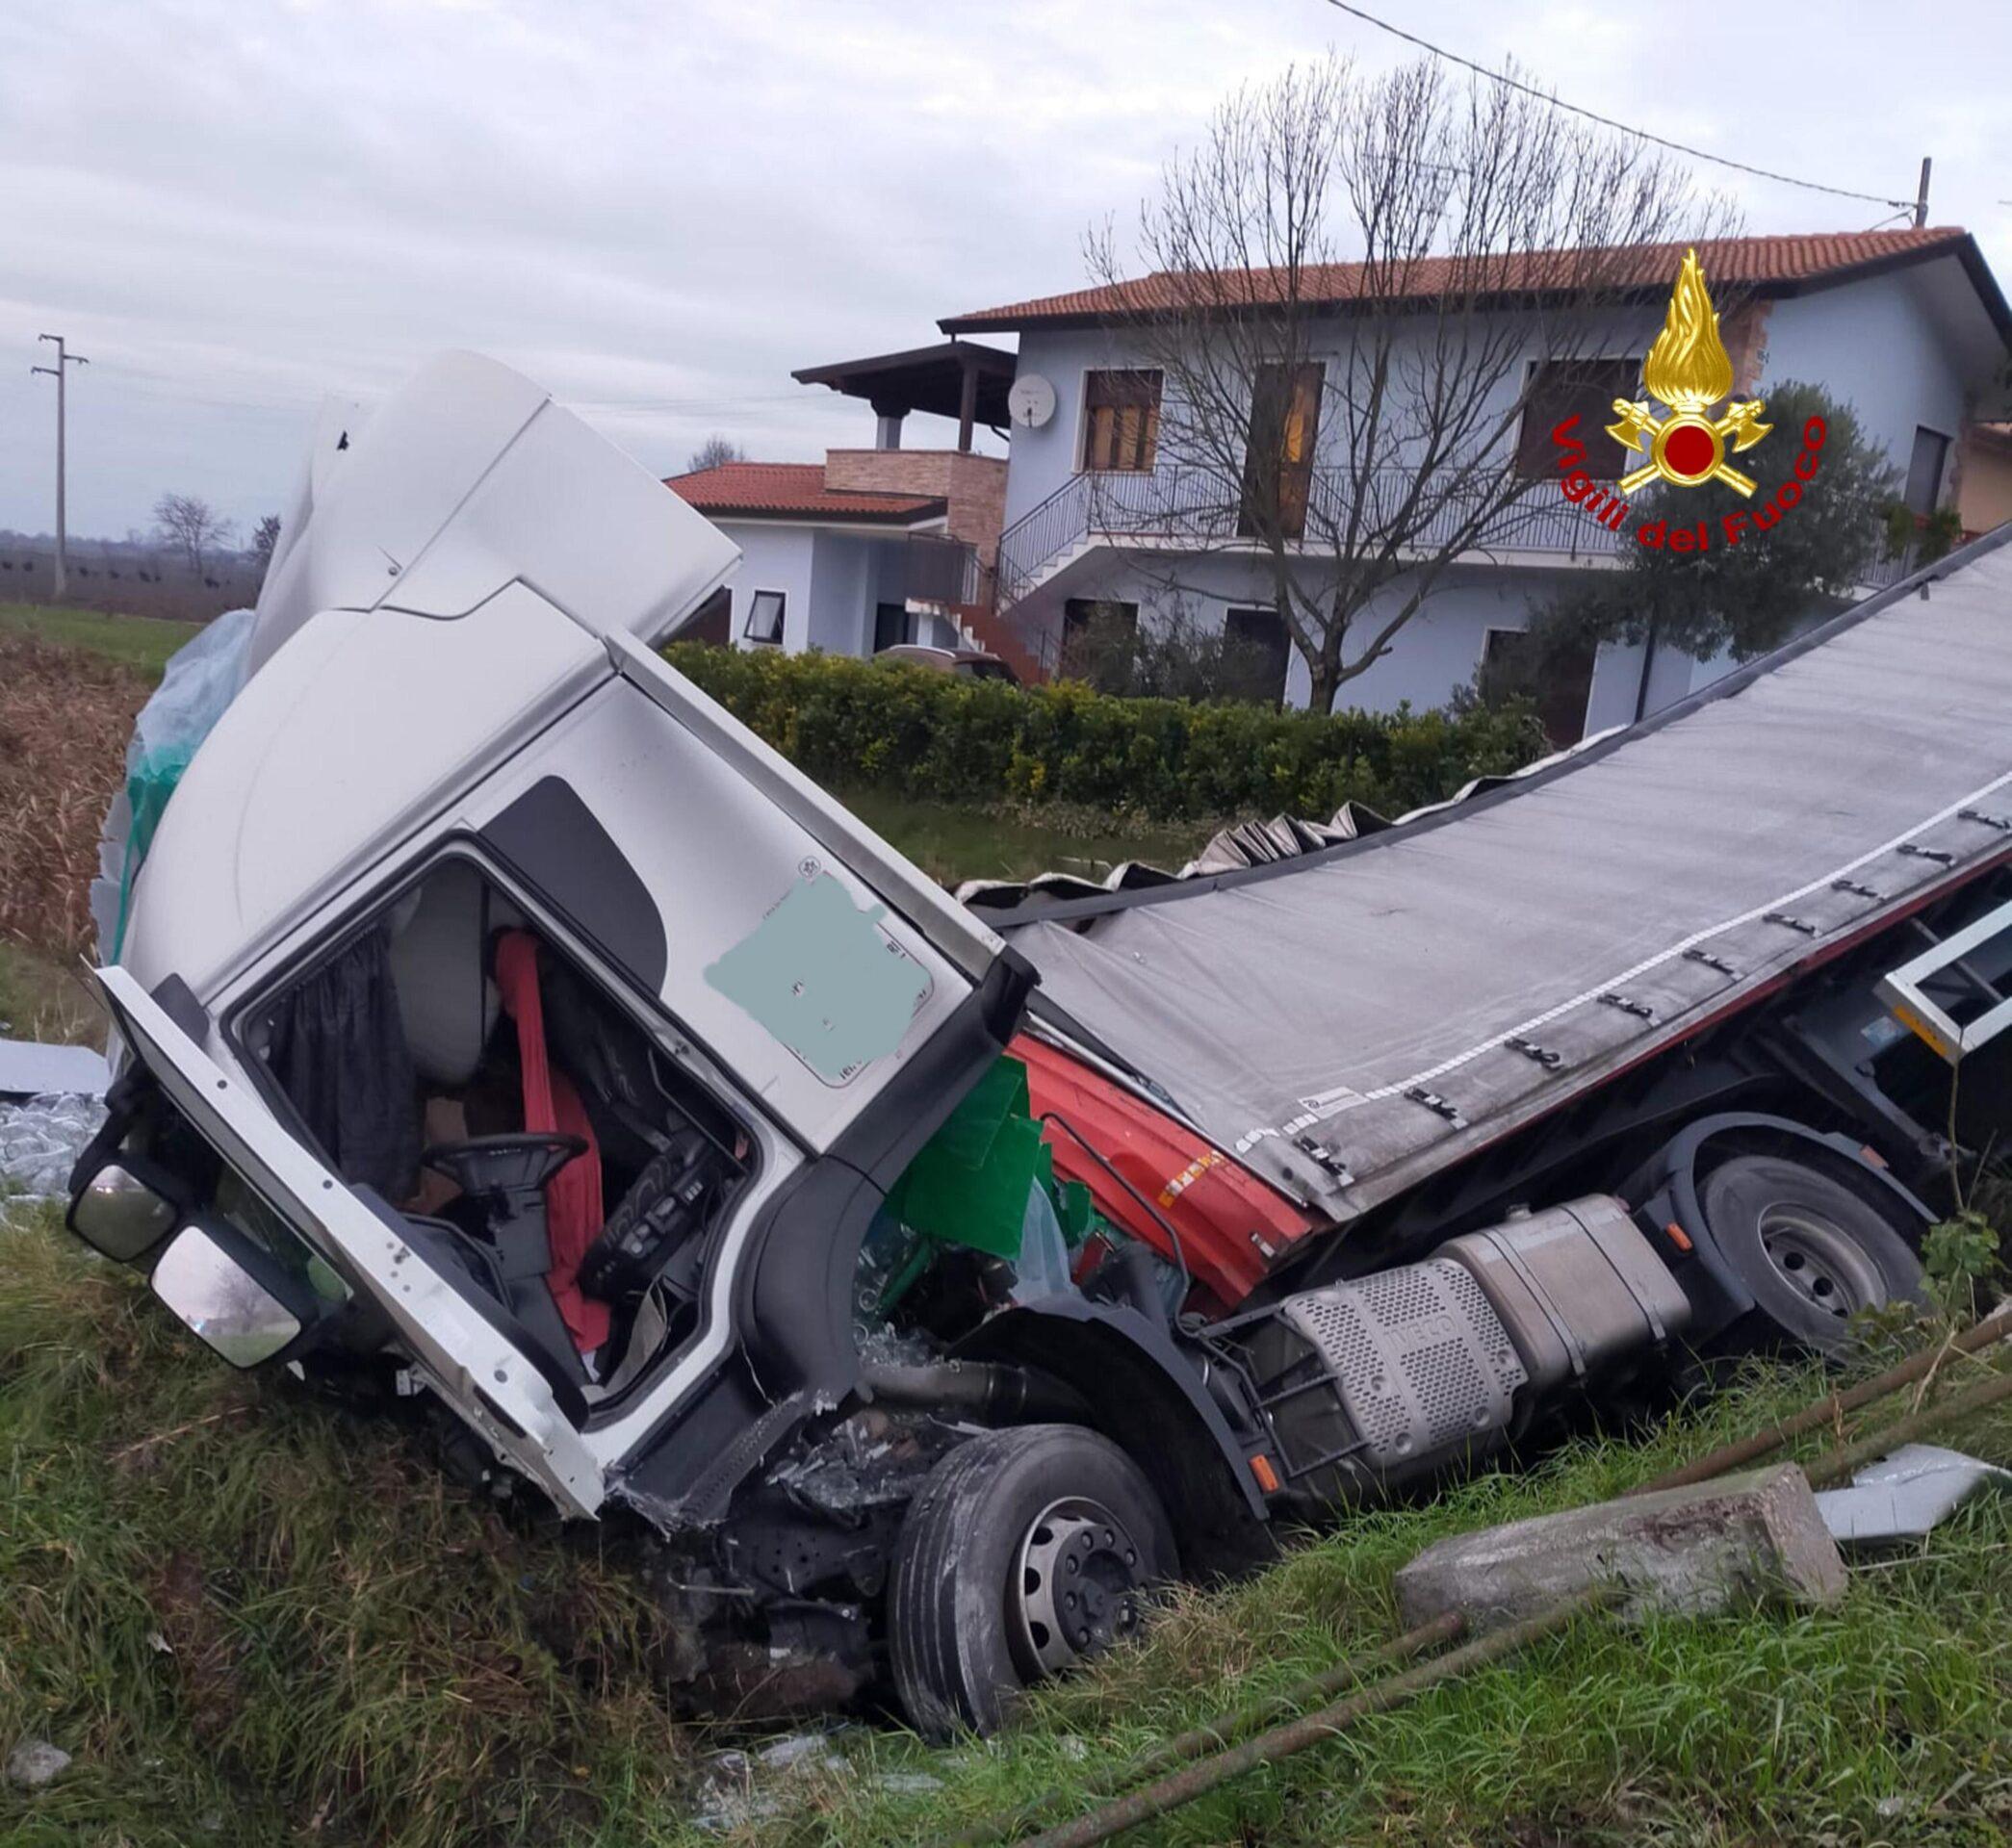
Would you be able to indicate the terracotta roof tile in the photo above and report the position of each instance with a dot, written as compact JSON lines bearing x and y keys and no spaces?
{"x":1762,"y":262}
{"x":782,"y":488}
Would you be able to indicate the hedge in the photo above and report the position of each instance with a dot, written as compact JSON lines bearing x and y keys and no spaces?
{"x":853,"y":723}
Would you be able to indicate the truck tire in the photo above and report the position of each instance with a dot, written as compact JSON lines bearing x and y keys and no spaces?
{"x":1813,"y":1253}
{"x":1027,"y":1550}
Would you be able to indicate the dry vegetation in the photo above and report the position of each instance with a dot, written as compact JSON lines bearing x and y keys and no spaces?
{"x":65,"y":718}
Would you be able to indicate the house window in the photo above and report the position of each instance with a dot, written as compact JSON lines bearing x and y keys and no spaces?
{"x":1924,"y":467}
{"x":1584,"y":388}
{"x":765,"y":618}
{"x":1285,"y":418}
{"x":1121,"y":420}
{"x":1256,"y":659}
{"x":1099,"y":639}
{"x":1554,"y":673}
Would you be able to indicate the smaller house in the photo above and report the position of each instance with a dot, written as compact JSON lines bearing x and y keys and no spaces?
{"x":875,"y":546}
{"x":1984,"y":478}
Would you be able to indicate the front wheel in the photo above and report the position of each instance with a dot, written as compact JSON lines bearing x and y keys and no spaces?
{"x":1028,"y":1551}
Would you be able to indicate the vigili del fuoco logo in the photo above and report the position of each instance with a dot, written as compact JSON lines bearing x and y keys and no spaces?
{"x":1688,"y":371}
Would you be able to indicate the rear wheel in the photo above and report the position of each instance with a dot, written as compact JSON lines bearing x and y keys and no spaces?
{"x":1813,"y":1253}
{"x":1028,"y":1551}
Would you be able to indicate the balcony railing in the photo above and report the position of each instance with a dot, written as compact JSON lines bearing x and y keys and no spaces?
{"x":942,"y":570}
{"x":1197,"y":509}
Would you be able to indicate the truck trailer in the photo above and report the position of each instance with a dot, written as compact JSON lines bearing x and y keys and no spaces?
{"x":506,"y":1032}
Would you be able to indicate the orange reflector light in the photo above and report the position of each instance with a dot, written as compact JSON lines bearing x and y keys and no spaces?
{"x":1267,"y":1477}
{"x":1678,"y":1237}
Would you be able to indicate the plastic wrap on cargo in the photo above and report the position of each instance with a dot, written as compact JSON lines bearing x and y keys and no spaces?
{"x":40,"y":1143}
{"x":201,"y":678}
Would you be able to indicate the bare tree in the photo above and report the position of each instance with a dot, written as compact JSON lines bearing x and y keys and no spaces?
{"x":1354,"y":425}
{"x":714,"y":451}
{"x":265,"y":536}
{"x":191,"y":525}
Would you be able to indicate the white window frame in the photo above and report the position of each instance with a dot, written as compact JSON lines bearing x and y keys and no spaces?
{"x":1480,"y":660}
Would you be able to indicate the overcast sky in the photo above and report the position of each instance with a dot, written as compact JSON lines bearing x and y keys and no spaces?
{"x":234,"y":206}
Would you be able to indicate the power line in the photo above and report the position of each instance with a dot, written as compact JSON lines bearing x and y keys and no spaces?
{"x":1607,"y":122}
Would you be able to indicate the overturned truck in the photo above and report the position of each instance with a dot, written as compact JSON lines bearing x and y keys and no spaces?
{"x":507,"y":1031}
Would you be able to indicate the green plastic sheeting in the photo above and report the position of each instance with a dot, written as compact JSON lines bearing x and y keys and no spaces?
{"x":969,"y":1184}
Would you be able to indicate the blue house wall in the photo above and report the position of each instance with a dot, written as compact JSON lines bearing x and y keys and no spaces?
{"x":1896,"y":346}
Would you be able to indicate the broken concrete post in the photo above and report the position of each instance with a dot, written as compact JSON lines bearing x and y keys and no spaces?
{"x":1743,"y":1539}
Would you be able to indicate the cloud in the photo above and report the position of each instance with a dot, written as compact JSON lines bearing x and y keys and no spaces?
{"x":658,"y":210}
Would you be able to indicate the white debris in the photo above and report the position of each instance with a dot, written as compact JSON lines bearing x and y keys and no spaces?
{"x":1903,"y":1496}
{"x":29,"y":1068}
{"x":40,"y":1141}
{"x":741,"y":1787}
{"x":35,"y":1762}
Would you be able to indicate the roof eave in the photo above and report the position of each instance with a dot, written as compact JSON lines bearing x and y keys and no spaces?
{"x":1964,"y":248}
{"x":920,"y":514}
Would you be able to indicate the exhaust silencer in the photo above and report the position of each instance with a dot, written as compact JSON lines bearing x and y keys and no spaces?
{"x":1372,"y":1382}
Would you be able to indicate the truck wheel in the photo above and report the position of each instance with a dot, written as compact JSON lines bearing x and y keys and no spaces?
{"x":1811,"y":1252}
{"x":1028,"y":1549}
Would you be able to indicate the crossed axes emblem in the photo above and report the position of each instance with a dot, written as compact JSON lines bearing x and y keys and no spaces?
{"x":1688,"y":448}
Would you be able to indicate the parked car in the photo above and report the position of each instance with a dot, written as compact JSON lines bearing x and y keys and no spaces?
{"x":509,"y":1031}
{"x":973,"y":663}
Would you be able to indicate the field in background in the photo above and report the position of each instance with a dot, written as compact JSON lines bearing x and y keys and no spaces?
{"x":65,"y":715}
{"x":71,"y":679}
{"x":140,"y":642}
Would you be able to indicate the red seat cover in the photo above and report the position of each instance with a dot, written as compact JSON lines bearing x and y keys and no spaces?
{"x":572,"y":1211}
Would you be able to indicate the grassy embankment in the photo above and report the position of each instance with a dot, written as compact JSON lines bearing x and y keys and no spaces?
{"x":253,"y":1618}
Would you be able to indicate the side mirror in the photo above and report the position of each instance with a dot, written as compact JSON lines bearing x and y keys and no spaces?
{"x":125,"y":1208}
{"x":231,"y":1293}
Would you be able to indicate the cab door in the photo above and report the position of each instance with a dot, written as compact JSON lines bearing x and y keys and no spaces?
{"x":459,"y":1351}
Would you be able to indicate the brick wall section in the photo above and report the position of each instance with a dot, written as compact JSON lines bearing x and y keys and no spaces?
{"x":974,"y":485}
{"x":1745,"y":335}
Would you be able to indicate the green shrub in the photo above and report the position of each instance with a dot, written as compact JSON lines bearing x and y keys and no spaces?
{"x":873,"y":724}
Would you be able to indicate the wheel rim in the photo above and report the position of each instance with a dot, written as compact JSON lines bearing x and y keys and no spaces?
{"x":1821,"y":1261}
{"x":1077,"y":1582}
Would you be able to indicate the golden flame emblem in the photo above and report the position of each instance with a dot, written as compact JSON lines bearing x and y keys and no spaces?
{"x":1689,"y":371}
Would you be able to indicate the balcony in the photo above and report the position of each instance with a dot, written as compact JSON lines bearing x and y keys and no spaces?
{"x":941,"y":573}
{"x":1183,"y":508}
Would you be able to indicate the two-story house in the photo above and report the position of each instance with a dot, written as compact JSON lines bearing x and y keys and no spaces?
{"x":1909,"y":326}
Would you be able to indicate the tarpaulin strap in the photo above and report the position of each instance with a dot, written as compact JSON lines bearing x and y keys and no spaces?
{"x":573,"y":1207}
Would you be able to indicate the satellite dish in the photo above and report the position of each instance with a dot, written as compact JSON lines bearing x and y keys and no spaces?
{"x":1031,"y":402}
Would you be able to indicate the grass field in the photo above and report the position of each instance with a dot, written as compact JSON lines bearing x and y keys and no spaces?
{"x":950,"y":842}
{"x":138,"y":641}
{"x":252,"y":1619}
{"x":43,"y":998}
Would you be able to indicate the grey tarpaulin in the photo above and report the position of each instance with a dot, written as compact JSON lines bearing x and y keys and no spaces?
{"x":1299,"y":1004}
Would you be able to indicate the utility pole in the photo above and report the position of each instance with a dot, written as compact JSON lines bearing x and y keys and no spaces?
{"x":1920,"y":197}
{"x":57,"y":372}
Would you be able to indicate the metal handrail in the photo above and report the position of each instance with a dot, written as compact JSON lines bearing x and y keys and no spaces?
{"x":1196,"y":506}
{"x":1040,"y":534}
